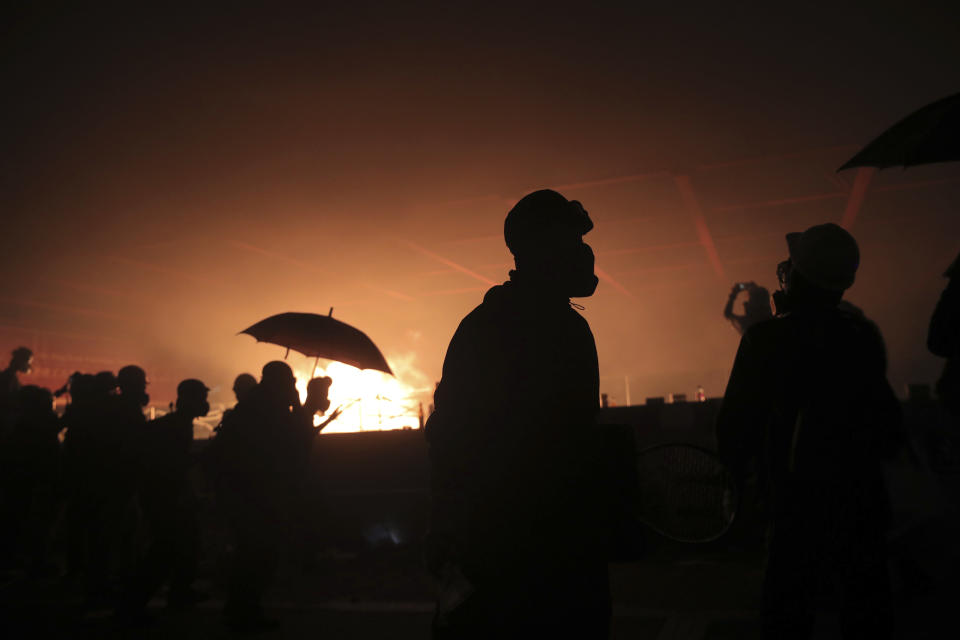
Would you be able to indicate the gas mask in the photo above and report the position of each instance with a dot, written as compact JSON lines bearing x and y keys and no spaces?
{"x":580,"y":280}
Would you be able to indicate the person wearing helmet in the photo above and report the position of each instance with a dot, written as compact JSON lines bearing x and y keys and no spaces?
{"x":168,"y":502}
{"x":515,"y":533}
{"x":808,"y":409}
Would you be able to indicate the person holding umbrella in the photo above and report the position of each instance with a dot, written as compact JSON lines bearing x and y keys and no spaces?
{"x":259,"y":455}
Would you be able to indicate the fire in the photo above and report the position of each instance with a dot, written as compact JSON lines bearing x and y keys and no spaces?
{"x":370,"y":400}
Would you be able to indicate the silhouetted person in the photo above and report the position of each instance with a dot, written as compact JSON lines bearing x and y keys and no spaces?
{"x":808,"y":403}
{"x":517,"y":533}
{"x":943,"y":339}
{"x":83,"y":449}
{"x":755,"y":309}
{"x":168,"y":502}
{"x":257,"y":457}
{"x":125,"y":428}
{"x":21,"y":361}
{"x":30,"y":474}
{"x":104,"y":434}
{"x":243,"y":384}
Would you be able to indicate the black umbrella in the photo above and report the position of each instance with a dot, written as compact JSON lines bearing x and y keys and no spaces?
{"x":319,"y":336}
{"x":928,"y":135}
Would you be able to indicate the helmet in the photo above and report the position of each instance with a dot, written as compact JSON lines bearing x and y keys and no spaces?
{"x":541,"y":210}
{"x":826,"y":255}
{"x":131,"y":377}
{"x":276,"y":371}
{"x":191,"y":388}
{"x":192,"y":397}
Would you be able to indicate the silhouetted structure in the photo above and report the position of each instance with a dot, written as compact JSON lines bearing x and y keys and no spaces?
{"x":755,"y":309}
{"x":257,"y":458}
{"x":808,"y":407}
{"x":517,"y":531}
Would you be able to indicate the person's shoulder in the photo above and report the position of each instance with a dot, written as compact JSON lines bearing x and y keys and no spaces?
{"x":768,"y":329}
{"x":496,"y":299}
{"x":487,"y":312}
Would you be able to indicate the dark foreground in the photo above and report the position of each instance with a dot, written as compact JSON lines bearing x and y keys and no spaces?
{"x":676,"y":593}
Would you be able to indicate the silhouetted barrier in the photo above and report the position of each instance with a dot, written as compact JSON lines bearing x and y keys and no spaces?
{"x":372,"y":488}
{"x":369,"y":489}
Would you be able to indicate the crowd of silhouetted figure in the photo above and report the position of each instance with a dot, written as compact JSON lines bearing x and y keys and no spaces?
{"x":522,"y":528}
{"x":118,"y":489}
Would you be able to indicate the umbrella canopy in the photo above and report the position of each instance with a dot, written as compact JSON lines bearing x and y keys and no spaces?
{"x":931,"y":134}
{"x":320,"y":337}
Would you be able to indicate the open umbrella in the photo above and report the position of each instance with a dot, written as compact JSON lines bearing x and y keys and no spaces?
{"x":319,"y":336}
{"x":928,"y":135}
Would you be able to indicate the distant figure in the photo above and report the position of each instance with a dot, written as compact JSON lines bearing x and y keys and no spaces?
{"x":755,"y":309}
{"x":517,"y":531}
{"x":242,"y":386}
{"x":808,"y":406}
{"x":169,"y":505}
{"x":21,"y":361}
{"x":943,"y":339}
{"x":256,"y":457}
{"x":30,"y":468}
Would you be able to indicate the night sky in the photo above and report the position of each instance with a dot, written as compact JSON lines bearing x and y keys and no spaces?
{"x":171,"y":176}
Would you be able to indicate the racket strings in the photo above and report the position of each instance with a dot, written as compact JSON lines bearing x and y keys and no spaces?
{"x":684,"y":493}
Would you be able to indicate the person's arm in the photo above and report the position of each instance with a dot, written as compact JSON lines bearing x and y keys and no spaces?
{"x":333,"y":416}
{"x":728,"y":309}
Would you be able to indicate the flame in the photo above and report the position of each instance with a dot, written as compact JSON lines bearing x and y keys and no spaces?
{"x":370,"y":400}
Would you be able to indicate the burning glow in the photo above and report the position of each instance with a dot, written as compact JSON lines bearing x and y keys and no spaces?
{"x":370,"y":400}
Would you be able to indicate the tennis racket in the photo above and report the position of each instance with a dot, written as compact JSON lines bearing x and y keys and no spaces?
{"x":685,"y":493}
